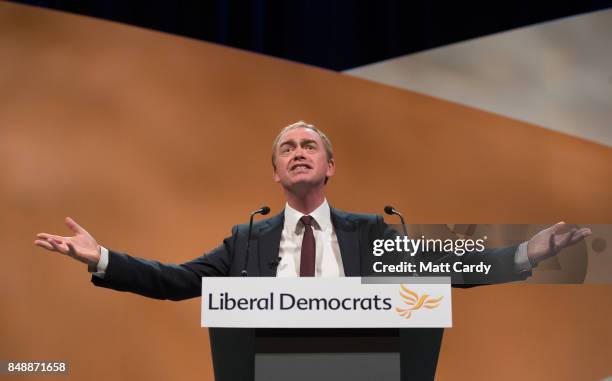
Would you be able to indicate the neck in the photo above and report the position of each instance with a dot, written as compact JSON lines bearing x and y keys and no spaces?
{"x":305,"y":202}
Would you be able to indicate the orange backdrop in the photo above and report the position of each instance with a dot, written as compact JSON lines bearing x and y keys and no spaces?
{"x":159,"y":144}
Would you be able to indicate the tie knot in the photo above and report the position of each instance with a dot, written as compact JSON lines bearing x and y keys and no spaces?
{"x":306,"y":220}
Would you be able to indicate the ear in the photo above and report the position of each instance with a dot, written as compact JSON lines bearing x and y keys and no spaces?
{"x":275,"y":176}
{"x":331,"y":168}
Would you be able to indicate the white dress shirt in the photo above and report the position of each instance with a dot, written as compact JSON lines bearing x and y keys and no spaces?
{"x":328,"y":261}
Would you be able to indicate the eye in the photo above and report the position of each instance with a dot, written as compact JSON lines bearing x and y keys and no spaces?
{"x":285,"y":149}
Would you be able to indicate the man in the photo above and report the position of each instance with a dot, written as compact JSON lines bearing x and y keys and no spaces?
{"x":307,"y":239}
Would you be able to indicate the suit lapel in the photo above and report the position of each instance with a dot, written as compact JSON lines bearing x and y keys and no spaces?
{"x":348,"y":240}
{"x":268,"y":244}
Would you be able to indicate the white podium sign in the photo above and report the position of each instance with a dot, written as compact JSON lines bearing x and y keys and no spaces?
{"x":324,"y":303}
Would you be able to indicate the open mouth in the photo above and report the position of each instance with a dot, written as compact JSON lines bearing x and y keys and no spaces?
{"x":299,"y":166}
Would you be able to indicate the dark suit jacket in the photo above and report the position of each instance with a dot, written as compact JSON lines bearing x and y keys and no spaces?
{"x":355,"y":234}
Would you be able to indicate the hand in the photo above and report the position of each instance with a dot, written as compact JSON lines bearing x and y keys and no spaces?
{"x":82,"y":246}
{"x":551,"y":241}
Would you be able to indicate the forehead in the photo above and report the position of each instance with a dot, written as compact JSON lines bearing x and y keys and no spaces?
{"x":298,"y":135}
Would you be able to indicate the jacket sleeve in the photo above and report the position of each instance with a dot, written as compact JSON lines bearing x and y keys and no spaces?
{"x":157,"y":280}
{"x":502,"y":261}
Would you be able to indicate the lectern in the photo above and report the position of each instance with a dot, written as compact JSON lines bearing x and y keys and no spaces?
{"x":252,"y":324}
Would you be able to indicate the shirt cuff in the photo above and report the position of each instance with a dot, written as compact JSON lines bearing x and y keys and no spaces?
{"x":521,"y":260}
{"x":102,"y":263}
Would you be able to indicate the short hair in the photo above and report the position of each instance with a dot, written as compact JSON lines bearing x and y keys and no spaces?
{"x":301,"y":124}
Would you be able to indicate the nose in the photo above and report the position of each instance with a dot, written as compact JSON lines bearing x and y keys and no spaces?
{"x":298,"y":153}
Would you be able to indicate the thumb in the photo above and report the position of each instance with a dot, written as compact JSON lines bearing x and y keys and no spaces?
{"x":556,"y":228}
{"x":73,"y":226}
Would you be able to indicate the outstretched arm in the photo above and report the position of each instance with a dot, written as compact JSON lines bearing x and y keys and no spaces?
{"x":138,"y":275}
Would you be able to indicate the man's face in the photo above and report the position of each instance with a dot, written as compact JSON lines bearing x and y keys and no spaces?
{"x":301,"y":160}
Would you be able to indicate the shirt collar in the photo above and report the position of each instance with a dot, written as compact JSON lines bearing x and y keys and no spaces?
{"x":321,"y":215}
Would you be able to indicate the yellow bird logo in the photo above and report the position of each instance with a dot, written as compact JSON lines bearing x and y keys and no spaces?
{"x":415,"y":302}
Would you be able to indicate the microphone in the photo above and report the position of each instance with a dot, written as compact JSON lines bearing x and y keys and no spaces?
{"x":263,"y":211}
{"x":391,"y":211}
{"x":275,"y":262}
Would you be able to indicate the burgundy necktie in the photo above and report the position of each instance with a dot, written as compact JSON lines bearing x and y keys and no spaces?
{"x":307,"y":259}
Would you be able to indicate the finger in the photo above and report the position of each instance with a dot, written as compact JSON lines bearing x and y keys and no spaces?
{"x":72,"y":225}
{"x":558,"y":241}
{"x":50,"y":236}
{"x":565,"y":239}
{"x":580,"y":234}
{"x":44,"y":244}
{"x":576,"y":236}
{"x":58,"y":246}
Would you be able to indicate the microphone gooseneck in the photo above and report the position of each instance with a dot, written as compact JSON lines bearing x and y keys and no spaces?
{"x":391,"y":211}
{"x":263,"y":211}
